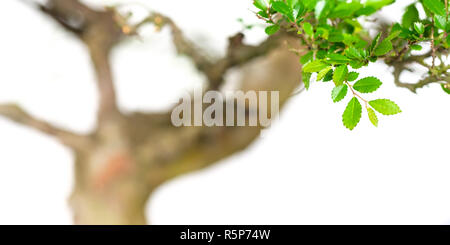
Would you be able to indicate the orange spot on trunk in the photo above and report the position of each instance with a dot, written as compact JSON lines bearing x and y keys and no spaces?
{"x":116,"y":166}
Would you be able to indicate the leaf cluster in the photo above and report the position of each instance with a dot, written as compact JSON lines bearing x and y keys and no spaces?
{"x":338,"y":45}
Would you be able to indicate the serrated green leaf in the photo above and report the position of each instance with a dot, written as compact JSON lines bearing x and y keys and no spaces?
{"x":368,"y":10}
{"x":446,"y":88}
{"x":322,"y":32}
{"x":307,"y":57}
{"x":345,"y":9}
{"x":337,"y":59}
{"x":367,"y":85}
{"x":320,"y":6}
{"x":309,"y":4}
{"x":353,"y":53}
{"x":307,"y":27}
{"x":416,"y":47}
{"x":323,"y":72}
{"x":335,"y":36}
{"x":410,"y":16}
{"x":263,"y":14}
{"x":378,"y":4}
{"x":321,"y":54}
{"x":394,"y":34}
{"x":315,"y":66}
{"x":356,"y":64}
{"x":383,"y":48}
{"x":440,"y":22}
{"x":419,"y":27}
{"x":281,"y":7}
{"x":372,"y":117}
{"x":352,"y":76}
{"x":329,"y":76}
{"x":270,"y":30}
{"x":375,"y":42}
{"x":352,"y":114}
{"x":340,"y":73}
{"x":435,"y":6}
{"x":298,"y":9}
{"x":385,"y":106}
{"x":306,"y":79}
{"x":339,"y":93}
{"x":292,"y":3}
{"x":261,"y":4}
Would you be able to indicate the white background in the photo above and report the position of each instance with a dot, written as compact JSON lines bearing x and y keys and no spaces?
{"x":307,"y":169}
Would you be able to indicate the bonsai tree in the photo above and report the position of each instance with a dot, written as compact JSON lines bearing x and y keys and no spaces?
{"x":130,"y":154}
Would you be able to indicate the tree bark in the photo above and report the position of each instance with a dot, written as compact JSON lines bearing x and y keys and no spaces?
{"x":108,"y":189}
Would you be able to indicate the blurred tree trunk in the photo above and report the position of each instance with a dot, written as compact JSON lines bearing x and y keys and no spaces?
{"x":128,"y":156}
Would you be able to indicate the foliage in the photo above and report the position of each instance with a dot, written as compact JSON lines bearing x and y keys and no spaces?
{"x":333,"y":32}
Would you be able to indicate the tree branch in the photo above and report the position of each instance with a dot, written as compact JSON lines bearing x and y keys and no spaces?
{"x":182,"y":44}
{"x":99,"y":30}
{"x":18,"y":115}
{"x":238,"y":53}
{"x":421,"y":83}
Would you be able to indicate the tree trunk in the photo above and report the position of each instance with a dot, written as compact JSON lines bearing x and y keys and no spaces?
{"x":129,"y":155}
{"x":109,"y":188}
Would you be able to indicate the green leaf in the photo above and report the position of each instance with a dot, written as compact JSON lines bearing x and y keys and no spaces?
{"x":307,"y":57}
{"x":344,"y":10}
{"x":323,"y":72}
{"x":328,"y":77}
{"x":340,"y":73}
{"x":416,"y":47}
{"x":410,"y":16}
{"x":367,"y":85}
{"x":374,"y":43}
{"x":356,"y":64}
{"x":352,"y":114}
{"x":307,"y":27}
{"x":281,"y":7}
{"x":352,"y":76}
{"x":353,"y":53}
{"x":394,"y":33}
{"x":261,"y":4}
{"x":298,"y":9}
{"x":435,"y":6}
{"x":323,"y":32}
{"x":446,"y":88}
{"x":263,"y":14}
{"x":337,"y":59}
{"x":440,"y":22}
{"x":419,"y":27}
{"x":336,"y":36}
{"x":368,"y":10}
{"x":315,"y":66}
{"x":292,"y":3}
{"x":270,"y":30}
{"x":378,"y":4}
{"x":339,"y":93}
{"x":309,"y":4}
{"x":385,"y":106}
{"x":383,"y":48}
{"x":323,"y":8}
{"x":372,"y":117}
{"x":306,"y":78}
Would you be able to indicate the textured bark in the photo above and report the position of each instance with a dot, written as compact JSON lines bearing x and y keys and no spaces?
{"x":128,"y":156}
